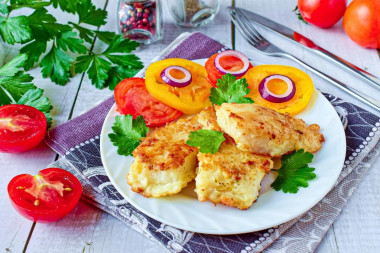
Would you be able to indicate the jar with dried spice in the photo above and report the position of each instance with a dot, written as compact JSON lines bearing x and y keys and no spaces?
{"x":193,"y":13}
{"x":140,"y":20}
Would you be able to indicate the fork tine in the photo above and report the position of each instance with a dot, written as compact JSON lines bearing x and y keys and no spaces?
{"x":240,"y":26}
{"x":246,"y":28}
{"x":249,"y":26}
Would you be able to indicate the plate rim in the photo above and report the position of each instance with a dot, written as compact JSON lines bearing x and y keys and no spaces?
{"x":103,"y":135}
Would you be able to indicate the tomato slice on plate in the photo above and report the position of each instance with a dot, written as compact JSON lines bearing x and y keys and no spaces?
{"x":227,"y":62}
{"x":22,"y":127}
{"x":132,"y":97}
{"x":45,"y":197}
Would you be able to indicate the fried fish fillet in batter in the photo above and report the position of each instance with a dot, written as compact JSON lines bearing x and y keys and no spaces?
{"x":164,"y":163}
{"x":263,"y":131}
{"x":230,"y":176}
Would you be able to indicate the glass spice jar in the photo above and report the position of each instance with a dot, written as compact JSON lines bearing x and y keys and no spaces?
{"x":193,"y":13}
{"x":140,"y":20}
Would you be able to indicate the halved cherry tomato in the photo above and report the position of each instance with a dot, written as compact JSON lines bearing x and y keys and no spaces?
{"x":22,"y":127}
{"x":132,"y":97}
{"x":227,"y":62}
{"x":45,"y":197}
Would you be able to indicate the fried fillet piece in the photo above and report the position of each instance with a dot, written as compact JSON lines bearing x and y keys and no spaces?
{"x":263,"y":131}
{"x":231,"y":177}
{"x":164,"y":163}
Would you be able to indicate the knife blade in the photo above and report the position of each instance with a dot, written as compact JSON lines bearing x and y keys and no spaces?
{"x":310,"y":45}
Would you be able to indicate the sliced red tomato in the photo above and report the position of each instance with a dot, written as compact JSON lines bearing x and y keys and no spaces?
{"x":22,"y":127}
{"x":45,"y":197}
{"x":132,"y":97}
{"x":228,"y":62}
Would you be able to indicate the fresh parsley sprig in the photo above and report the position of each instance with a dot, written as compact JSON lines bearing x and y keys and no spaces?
{"x":208,"y":141}
{"x":294,"y":172}
{"x":127,"y":133}
{"x":230,"y":90}
{"x":58,"y":63}
{"x":16,"y":87}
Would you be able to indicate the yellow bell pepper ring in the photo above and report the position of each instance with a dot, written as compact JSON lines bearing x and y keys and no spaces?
{"x":279,"y":80}
{"x":189,"y":99}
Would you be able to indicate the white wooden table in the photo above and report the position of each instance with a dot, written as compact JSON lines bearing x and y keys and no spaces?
{"x":88,"y":229}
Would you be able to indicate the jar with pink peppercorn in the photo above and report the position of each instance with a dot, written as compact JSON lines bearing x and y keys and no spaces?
{"x":140,"y":20}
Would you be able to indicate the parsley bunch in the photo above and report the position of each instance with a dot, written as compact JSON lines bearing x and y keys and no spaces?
{"x":55,"y":43}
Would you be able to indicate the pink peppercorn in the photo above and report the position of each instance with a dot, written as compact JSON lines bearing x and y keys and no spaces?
{"x":140,"y":15}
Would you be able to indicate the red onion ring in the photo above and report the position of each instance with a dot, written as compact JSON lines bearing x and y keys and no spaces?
{"x":237,"y":54}
{"x":169,"y":79}
{"x":272,"y":97}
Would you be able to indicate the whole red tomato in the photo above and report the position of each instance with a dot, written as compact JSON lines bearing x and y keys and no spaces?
{"x":361,"y":22}
{"x":45,"y":197}
{"x":322,"y":13}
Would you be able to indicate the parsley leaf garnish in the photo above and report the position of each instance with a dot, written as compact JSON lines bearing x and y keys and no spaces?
{"x":33,"y":97}
{"x":34,"y":50}
{"x":117,"y":73}
{"x":3,"y":8}
{"x":208,"y":141}
{"x":15,"y":29}
{"x":230,"y":90}
{"x":16,"y":87}
{"x":88,"y":14}
{"x":69,"y":41}
{"x":100,"y":70}
{"x":294,"y":172}
{"x":127,"y":133}
{"x":56,"y":64}
{"x":66,"y":5}
{"x":14,"y":83}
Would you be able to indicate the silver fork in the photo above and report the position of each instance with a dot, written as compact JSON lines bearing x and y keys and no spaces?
{"x":253,"y":37}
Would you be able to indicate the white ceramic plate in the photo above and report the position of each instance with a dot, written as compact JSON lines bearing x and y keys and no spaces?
{"x":272,"y":208}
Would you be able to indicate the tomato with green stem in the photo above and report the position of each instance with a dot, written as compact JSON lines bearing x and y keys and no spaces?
{"x":45,"y":197}
{"x":322,"y":13}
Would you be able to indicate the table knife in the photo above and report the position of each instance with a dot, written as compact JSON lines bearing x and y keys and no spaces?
{"x":309,"y":44}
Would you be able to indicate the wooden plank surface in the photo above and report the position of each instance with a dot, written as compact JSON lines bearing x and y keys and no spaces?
{"x":88,"y":229}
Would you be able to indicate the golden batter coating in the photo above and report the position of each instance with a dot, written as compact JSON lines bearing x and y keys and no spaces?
{"x":230,"y":176}
{"x":164,"y":163}
{"x":263,"y":131}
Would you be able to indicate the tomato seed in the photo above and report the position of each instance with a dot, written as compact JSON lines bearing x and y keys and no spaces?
{"x":37,"y":202}
{"x":20,"y":187}
{"x":68,"y":189}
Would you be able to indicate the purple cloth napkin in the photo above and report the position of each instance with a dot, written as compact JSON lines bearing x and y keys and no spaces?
{"x":78,"y":142}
